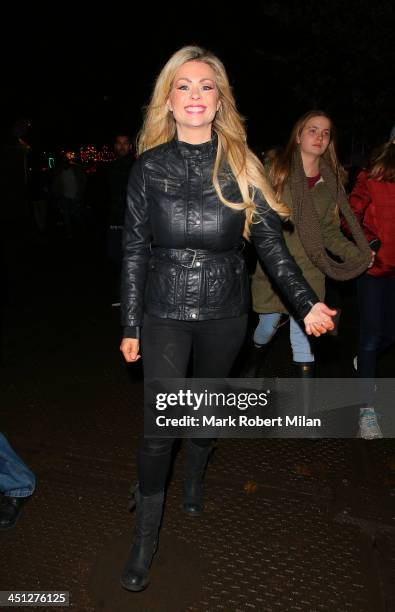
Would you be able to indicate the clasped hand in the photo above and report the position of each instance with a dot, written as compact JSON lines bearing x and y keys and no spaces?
{"x":319,"y":321}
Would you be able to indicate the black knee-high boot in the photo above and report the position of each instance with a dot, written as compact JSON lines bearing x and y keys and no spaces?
{"x":306,"y":371}
{"x":195,"y":466}
{"x":149,"y":509}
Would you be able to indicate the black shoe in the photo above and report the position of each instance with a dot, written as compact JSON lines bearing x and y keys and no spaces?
{"x":10,"y":510}
{"x":135,"y":575}
{"x":195,"y":466}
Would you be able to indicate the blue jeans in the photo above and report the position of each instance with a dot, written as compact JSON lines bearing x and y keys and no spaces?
{"x":16,"y":480}
{"x":267,"y":327}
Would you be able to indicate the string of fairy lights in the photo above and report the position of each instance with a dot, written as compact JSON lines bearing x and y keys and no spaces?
{"x":88,"y":156}
{"x":91,"y":154}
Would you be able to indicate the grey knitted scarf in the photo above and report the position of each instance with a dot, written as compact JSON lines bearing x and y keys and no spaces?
{"x":308,"y":225}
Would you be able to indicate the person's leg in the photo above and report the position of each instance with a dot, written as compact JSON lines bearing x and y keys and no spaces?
{"x":303,"y":357}
{"x":303,"y":362}
{"x":370,"y":291}
{"x":216,"y":344}
{"x":388,"y":318}
{"x":370,"y":305}
{"x":166,"y":347}
{"x":264,"y":332}
{"x":266,"y":327}
{"x":17,"y":483}
{"x":301,"y":348}
{"x":16,"y":480}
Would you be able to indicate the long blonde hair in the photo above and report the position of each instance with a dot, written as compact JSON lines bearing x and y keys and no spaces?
{"x":159,"y":127}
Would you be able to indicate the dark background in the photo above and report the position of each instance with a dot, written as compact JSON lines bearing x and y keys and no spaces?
{"x":302,"y":523}
{"x":81,"y":77}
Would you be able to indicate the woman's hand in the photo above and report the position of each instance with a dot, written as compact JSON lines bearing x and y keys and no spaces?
{"x":130,"y":349}
{"x":319,"y":321}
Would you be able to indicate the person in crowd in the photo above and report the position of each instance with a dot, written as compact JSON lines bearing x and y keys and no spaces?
{"x":17,"y":484}
{"x":68,"y":188}
{"x":117,"y":181}
{"x":373,"y":203}
{"x":194,"y":189}
{"x":307,"y":177}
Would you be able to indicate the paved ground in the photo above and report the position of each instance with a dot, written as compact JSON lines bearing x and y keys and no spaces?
{"x":290,"y":525}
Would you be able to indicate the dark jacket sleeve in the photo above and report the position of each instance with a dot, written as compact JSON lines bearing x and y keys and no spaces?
{"x":267,"y":235}
{"x":136,"y":250}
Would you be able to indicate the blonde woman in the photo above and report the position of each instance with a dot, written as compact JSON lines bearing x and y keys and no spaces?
{"x":194,"y":190}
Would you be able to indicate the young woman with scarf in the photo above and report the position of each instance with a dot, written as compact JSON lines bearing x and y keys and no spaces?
{"x":306,"y":177}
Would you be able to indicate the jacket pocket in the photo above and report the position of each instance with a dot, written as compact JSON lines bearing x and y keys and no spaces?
{"x":161,"y":283}
{"x":166,"y":184}
{"x":225,"y":285}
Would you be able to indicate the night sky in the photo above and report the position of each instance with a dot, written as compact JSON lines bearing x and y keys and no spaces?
{"x":80,"y":80}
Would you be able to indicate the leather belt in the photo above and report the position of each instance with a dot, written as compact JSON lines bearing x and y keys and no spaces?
{"x":188,"y":258}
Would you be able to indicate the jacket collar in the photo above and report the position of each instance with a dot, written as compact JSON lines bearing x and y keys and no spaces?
{"x":203,"y":150}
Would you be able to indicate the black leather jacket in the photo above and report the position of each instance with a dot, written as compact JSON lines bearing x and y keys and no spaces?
{"x":182,"y":256}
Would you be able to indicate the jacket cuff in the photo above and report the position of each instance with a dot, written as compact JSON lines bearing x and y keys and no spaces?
{"x":304,"y":311}
{"x":131,"y":332}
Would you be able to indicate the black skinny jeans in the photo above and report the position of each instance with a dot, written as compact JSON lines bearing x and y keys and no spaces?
{"x":167,"y":345}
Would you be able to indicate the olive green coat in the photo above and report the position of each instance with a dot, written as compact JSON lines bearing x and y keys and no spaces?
{"x":265,"y":298}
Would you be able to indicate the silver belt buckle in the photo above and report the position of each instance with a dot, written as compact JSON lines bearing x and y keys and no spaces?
{"x":190,"y":265}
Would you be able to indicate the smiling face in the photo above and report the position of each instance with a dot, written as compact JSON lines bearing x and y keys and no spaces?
{"x":194,"y":101}
{"x":315,"y":136}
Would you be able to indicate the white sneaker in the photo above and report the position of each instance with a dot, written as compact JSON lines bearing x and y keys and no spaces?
{"x":116,"y":304}
{"x":369,"y":429}
{"x":355,"y":363}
